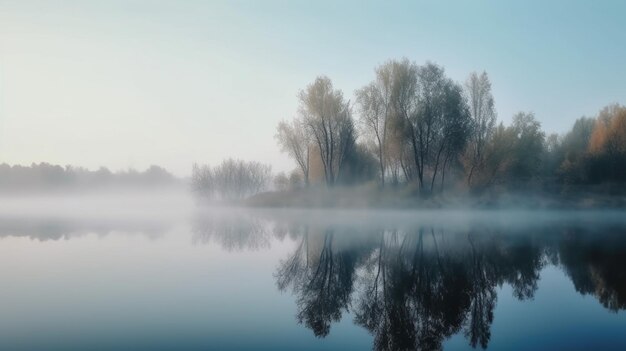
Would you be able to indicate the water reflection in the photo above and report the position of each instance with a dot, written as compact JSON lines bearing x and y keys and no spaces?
{"x":411,"y":281}
{"x":413,"y":286}
{"x":597,"y":265}
{"x":322,"y":272}
{"x":231,"y":230}
{"x":44,"y":229}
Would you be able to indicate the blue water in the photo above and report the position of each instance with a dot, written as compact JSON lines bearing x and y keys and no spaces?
{"x":315,"y":280}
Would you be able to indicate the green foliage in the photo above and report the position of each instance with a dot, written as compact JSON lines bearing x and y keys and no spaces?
{"x":528,"y":147}
{"x":573,"y":149}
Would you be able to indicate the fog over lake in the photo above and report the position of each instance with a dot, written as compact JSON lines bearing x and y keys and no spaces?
{"x":312,"y":175}
{"x":246,"y":279}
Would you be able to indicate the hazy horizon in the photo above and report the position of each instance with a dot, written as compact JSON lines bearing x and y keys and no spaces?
{"x":133,"y":83}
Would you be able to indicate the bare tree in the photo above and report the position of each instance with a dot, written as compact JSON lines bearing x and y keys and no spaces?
{"x":454,"y":128}
{"x":374,"y":102}
{"x":230,"y":180}
{"x":329,"y":120}
{"x":294,"y":140}
{"x":404,"y":105}
{"x":202,"y":181}
{"x":483,"y":113}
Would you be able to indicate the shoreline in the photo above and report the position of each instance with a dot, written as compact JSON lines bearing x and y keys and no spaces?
{"x":399,"y":199}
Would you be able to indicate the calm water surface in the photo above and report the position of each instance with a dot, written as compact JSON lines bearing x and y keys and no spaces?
{"x":315,"y":280}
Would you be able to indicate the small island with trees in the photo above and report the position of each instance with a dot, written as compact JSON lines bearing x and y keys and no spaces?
{"x":414,"y":137}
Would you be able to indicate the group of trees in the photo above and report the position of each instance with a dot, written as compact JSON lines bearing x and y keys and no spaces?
{"x":415,"y":126}
{"x":417,"y":119}
{"x":49,"y":177}
{"x":230,"y":180}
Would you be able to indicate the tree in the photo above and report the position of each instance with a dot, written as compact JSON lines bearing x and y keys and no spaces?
{"x":574,"y":147}
{"x":529,"y":146}
{"x":552,"y":156}
{"x":483,"y":114}
{"x":359,"y":166}
{"x":607,"y":145}
{"x":329,"y":120}
{"x":404,"y":104}
{"x":202,"y":181}
{"x":374,"y":102}
{"x":499,"y":156}
{"x":455,"y":128}
{"x":399,"y":152}
{"x":436,"y":116}
{"x":294,"y":140}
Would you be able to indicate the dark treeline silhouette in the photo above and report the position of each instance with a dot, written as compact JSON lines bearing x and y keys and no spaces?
{"x":416,"y":127}
{"x":413,"y":286}
{"x":48,"y":177}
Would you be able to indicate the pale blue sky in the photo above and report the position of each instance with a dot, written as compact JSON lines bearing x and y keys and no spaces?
{"x":131,"y":83}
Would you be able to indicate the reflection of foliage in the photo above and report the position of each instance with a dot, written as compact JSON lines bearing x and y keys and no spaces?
{"x":414,"y":289}
{"x":596,"y":267}
{"x":482,"y":274}
{"x":322,"y":278}
{"x":522,"y":263}
{"x":406,"y":300}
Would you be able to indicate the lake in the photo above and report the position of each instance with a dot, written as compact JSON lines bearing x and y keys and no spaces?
{"x":314,"y":280}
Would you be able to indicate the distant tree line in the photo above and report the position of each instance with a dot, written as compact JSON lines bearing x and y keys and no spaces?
{"x":417,"y":127}
{"x":45,"y":176}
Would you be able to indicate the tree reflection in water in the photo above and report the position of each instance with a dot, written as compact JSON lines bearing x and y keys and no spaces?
{"x":415,"y":289}
{"x":232,"y":230}
{"x":412,"y":288}
{"x":597,"y":267}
